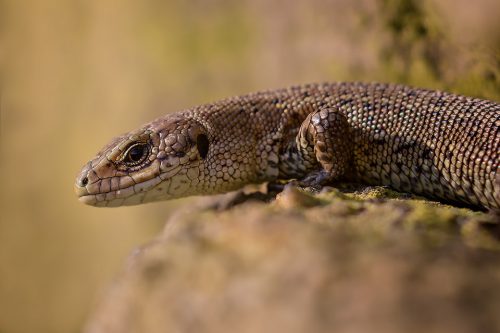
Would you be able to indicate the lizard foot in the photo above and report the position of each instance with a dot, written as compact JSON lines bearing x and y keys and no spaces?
{"x":315,"y":180}
{"x":325,"y":137}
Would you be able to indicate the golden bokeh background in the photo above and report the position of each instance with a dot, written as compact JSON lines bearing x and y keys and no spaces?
{"x":75,"y":73}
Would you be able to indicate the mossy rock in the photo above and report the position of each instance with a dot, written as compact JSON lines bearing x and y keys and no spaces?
{"x":348,"y":261}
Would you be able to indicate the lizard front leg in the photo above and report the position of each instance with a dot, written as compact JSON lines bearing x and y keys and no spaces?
{"x":324,"y":145}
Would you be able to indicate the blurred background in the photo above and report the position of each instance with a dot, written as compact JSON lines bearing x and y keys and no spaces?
{"x":73,"y":74}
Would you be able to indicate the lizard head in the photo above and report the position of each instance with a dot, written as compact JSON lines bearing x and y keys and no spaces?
{"x":162,"y":160}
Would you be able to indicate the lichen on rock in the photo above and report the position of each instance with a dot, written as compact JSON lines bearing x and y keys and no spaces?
{"x":354,"y":260}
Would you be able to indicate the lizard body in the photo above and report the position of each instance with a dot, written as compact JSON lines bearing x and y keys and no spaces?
{"x":426,"y":142}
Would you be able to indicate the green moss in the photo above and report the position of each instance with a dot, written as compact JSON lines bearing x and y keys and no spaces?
{"x":372,"y":214}
{"x":476,"y":234}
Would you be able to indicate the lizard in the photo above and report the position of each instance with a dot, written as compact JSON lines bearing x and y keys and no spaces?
{"x":432,"y":143}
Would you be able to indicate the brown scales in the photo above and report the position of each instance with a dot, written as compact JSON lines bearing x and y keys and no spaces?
{"x":426,"y":142}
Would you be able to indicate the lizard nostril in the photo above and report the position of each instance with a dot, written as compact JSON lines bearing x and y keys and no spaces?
{"x":84,"y":181}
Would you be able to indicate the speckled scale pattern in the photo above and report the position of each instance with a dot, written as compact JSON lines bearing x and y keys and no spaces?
{"x":432,"y":143}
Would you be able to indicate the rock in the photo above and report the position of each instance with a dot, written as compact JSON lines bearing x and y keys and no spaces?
{"x":355,"y":260}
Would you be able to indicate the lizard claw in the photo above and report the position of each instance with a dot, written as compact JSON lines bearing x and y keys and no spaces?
{"x":275,"y":187}
{"x":315,"y":180}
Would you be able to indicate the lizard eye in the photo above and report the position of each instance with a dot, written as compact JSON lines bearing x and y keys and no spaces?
{"x":136,"y":153}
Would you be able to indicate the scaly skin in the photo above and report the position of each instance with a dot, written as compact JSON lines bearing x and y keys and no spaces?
{"x":432,"y":143}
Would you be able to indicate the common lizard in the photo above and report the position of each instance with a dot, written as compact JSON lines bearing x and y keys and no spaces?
{"x":432,"y":143}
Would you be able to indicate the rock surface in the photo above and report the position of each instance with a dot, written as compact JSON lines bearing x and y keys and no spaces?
{"x":357,"y":260}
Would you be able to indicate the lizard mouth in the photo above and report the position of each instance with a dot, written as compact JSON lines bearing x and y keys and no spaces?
{"x":89,"y":199}
{"x":92,"y":200}
{"x":100,"y":199}
{"x":131,"y":195}
{"x":111,"y":198}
